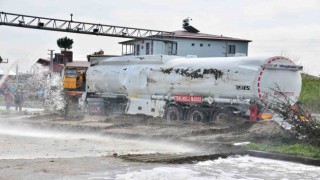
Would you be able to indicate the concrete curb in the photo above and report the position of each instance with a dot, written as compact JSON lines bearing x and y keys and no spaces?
{"x":283,"y":157}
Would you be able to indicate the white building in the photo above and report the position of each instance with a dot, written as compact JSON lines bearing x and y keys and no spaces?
{"x":188,"y":43}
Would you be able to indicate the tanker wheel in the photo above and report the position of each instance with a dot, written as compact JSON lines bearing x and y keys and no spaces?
{"x":173,"y":113}
{"x":197,"y":115}
{"x":221,"y":117}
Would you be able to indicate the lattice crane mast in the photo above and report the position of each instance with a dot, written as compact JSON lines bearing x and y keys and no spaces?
{"x":70,"y":26}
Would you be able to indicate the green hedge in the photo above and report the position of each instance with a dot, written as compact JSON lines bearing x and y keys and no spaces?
{"x":290,"y":149}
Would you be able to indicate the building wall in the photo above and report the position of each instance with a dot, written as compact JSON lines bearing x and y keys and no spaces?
{"x":201,"y":48}
{"x":210,"y":48}
{"x":241,"y":48}
{"x":143,"y":47}
{"x":159,"y":47}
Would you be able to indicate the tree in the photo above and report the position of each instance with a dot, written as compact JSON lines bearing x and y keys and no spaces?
{"x":300,"y":122}
{"x":65,"y":43}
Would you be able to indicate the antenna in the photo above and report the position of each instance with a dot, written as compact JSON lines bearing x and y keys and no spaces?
{"x":187,"y":27}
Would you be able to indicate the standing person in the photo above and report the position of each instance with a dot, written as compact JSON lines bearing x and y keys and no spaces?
{"x":18,"y":100}
{"x":8,"y":98}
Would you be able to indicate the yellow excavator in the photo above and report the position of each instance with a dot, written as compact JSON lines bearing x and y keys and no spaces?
{"x":74,"y":83}
{"x":74,"y":79}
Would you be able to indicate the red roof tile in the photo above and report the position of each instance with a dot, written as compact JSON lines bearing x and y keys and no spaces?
{"x":185,"y":34}
{"x":190,"y":35}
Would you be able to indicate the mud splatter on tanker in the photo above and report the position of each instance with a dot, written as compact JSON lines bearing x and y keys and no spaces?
{"x":194,"y":74}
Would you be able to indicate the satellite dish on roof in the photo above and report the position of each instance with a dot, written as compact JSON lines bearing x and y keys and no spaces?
{"x":187,"y":27}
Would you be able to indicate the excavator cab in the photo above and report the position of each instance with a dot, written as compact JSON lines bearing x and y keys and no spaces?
{"x":74,"y":79}
{"x":74,"y":83}
{"x":70,"y":78}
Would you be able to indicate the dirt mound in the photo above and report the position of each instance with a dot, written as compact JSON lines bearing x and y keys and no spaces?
{"x":173,"y":158}
{"x":266,"y":127}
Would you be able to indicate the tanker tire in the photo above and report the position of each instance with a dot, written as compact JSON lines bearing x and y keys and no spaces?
{"x":173,"y":113}
{"x":197,"y":115}
{"x":222,"y":117}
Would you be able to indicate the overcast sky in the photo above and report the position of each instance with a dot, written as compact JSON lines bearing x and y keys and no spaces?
{"x":276,"y":27}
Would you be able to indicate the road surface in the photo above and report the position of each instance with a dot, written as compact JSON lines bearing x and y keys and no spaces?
{"x":28,"y":153}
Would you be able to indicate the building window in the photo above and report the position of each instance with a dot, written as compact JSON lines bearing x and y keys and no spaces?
{"x":147,"y":48}
{"x":201,"y":45}
{"x":192,"y":44}
{"x":171,"y":48}
{"x":231,"y":49}
{"x":174,"y":48}
{"x":138,"y":49}
{"x":71,"y":72}
{"x":152,"y":47}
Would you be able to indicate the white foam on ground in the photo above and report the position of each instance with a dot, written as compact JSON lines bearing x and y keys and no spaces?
{"x":242,"y":167}
{"x":162,"y":173}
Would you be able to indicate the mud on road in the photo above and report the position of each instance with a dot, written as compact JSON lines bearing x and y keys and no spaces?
{"x":49,"y":146}
{"x":212,"y":137}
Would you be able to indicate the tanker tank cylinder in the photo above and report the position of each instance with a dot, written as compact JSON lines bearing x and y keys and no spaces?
{"x":236,"y":80}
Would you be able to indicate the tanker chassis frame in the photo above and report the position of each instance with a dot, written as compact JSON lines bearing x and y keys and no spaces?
{"x":177,"y":107}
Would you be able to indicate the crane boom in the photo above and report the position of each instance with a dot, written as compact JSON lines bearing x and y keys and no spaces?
{"x":70,"y":26}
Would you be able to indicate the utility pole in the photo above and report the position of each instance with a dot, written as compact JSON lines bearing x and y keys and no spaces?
{"x":51,"y":60}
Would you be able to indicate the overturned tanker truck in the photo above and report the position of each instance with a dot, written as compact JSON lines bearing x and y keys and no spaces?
{"x":189,"y":88}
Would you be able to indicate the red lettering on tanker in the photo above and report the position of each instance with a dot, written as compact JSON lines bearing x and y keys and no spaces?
{"x":196,"y":99}
{"x":191,"y":99}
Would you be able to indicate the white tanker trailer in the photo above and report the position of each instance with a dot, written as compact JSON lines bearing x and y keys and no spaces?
{"x":197,"y":89}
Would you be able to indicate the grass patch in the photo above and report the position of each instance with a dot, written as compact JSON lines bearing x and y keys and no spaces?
{"x":290,"y":149}
{"x":310,"y":93}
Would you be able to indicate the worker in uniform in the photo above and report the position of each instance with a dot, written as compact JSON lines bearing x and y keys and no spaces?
{"x":18,"y":100}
